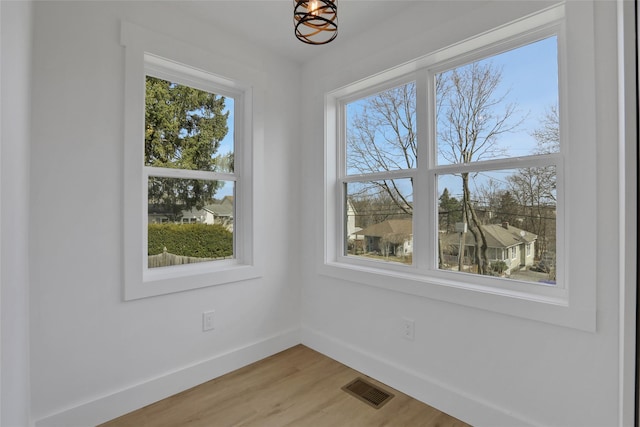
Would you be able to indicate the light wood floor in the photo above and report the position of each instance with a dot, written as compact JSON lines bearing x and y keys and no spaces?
{"x":297,"y":387}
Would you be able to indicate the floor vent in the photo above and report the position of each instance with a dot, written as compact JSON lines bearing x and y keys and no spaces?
{"x":368,"y":393}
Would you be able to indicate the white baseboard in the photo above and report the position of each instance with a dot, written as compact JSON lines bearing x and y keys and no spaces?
{"x":113,"y":405}
{"x":457,"y":403}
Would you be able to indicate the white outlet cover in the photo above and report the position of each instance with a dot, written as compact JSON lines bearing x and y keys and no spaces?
{"x":207,"y":320}
{"x":408,"y":328}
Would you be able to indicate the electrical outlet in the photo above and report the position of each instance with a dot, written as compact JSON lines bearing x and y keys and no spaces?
{"x":207,"y":320}
{"x":408,"y":328}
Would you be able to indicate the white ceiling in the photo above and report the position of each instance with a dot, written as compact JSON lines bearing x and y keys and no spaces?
{"x":269,"y":23}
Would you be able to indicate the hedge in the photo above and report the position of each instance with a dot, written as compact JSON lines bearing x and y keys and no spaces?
{"x":194,"y":240}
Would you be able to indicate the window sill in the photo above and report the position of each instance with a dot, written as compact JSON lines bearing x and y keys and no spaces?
{"x":187,"y":277}
{"x":547,"y":304}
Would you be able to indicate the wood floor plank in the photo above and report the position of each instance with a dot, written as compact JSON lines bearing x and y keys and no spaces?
{"x":297,"y":387}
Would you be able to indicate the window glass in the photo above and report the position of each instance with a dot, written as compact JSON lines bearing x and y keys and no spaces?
{"x":513,"y":210}
{"x":381,"y":131}
{"x":500,"y":107}
{"x":187,"y":128}
{"x":189,"y":220}
{"x":379,"y":220}
{"x":505,"y":108}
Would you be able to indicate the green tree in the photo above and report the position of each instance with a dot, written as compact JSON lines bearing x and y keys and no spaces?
{"x":183,"y":130}
{"x":450,"y":212}
{"x":509,"y":209}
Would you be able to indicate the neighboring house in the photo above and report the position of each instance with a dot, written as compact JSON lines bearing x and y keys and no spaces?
{"x":218,"y":212}
{"x":505,"y":243}
{"x":352,"y":229}
{"x":391,"y":237}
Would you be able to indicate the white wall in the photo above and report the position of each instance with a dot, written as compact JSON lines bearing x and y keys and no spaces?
{"x":486,"y":368}
{"x":16,"y":27}
{"x":93,"y":356}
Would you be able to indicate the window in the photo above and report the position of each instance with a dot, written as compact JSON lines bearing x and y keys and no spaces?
{"x":380,"y":171}
{"x":494,"y":165}
{"x":188,"y":136}
{"x":497,"y":143}
{"x":189,"y":182}
{"x":450,"y":174}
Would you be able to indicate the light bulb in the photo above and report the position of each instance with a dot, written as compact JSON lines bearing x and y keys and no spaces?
{"x":313,"y":7}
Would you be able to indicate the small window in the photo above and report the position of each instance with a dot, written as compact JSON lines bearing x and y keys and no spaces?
{"x":188,"y":131}
{"x":189,"y":180}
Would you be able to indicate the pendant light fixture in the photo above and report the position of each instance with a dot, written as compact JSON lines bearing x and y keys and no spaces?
{"x":315,"y":21}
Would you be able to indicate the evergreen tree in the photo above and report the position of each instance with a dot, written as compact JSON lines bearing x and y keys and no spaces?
{"x":183,"y":130}
{"x":450,"y":212}
{"x":509,"y":210}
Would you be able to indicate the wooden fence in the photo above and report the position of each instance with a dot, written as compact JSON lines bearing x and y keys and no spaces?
{"x":166,"y":259}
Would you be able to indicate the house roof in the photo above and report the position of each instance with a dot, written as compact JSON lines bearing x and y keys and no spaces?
{"x":497,"y":235}
{"x":509,"y":235}
{"x":221,"y":208}
{"x":390,"y":226}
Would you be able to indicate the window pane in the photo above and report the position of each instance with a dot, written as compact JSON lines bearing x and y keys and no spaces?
{"x":381,"y":131}
{"x":187,"y":128}
{"x":186,"y":223}
{"x":513,"y":211}
{"x":501,"y":107}
{"x":379,"y":220}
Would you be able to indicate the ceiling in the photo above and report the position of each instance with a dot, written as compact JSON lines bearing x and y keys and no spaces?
{"x":269,"y":23}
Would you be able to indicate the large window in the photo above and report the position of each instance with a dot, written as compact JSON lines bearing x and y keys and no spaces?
{"x":451,"y":173}
{"x":189,"y":169}
{"x":493,"y":152}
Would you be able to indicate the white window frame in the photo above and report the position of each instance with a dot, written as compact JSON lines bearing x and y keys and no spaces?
{"x":570,"y":303}
{"x":150,"y":53}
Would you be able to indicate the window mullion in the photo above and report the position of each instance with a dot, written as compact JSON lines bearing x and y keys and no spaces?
{"x":377,"y":176}
{"x":188,"y":174}
{"x":423,"y":197}
{"x":509,"y":163}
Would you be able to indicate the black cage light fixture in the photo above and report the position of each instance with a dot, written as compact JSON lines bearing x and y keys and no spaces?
{"x":315,"y":21}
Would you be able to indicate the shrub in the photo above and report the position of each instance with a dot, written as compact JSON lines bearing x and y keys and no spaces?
{"x":499,"y":267}
{"x":193,"y":240}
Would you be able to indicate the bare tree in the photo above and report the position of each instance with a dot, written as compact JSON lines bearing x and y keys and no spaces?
{"x":535,"y":188}
{"x":471,"y":117}
{"x":499,"y":203}
{"x":381,"y":136}
{"x":548,"y":134}
{"x":376,"y":208}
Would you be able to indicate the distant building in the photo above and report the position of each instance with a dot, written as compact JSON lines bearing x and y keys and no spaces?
{"x":391,"y":237}
{"x":218,"y":212}
{"x":505,"y":243}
